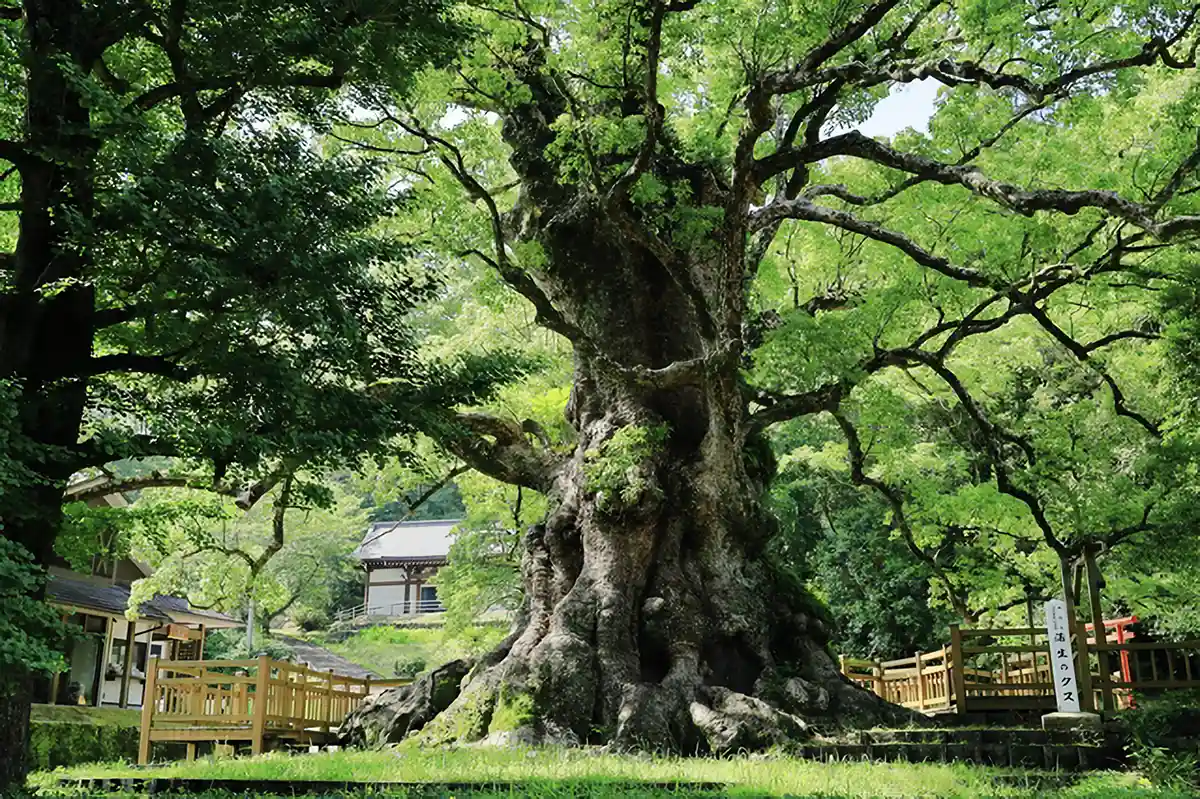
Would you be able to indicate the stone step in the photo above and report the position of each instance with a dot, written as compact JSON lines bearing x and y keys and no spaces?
{"x":1019,"y":735}
{"x":1013,"y":752}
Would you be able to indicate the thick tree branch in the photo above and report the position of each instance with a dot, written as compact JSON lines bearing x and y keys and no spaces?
{"x":517,"y":278}
{"x":498,"y":448}
{"x":128,"y":362}
{"x":803,"y":209}
{"x":278,"y":528}
{"x":90,"y":491}
{"x":992,"y":435}
{"x":680,"y":373}
{"x":1021,"y":200}
{"x":1112,"y":338}
{"x":800,"y":75}
{"x":955,"y":73}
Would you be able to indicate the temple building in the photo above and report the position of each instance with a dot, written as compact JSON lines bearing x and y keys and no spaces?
{"x":400,"y":559}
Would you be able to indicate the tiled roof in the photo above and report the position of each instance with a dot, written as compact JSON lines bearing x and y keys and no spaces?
{"x":114,"y":598}
{"x":424,"y":541}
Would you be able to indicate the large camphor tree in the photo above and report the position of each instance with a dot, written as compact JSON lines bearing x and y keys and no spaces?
{"x":647,"y":175}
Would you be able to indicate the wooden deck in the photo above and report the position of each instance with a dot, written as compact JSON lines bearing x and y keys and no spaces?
{"x":258,"y":702}
{"x":989,"y":670}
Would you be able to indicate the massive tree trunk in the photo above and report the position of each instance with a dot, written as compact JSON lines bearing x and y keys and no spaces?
{"x":654,"y":616}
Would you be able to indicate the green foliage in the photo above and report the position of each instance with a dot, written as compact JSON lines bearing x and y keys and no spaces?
{"x":616,"y":470}
{"x":62,"y":736}
{"x":55,"y":744}
{"x":513,"y":710}
{"x":396,"y":651}
{"x":31,"y":633}
{"x":110,"y":533}
{"x":409,"y":666}
{"x":212,"y":556}
{"x":230,"y":644}
{"x":483,"y":572}
{"x":1164,"y":735}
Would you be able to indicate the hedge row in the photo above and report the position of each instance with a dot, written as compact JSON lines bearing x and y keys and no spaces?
{"x":57,"y":743}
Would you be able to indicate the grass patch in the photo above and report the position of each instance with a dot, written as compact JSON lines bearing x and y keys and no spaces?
{"x":588,"y":773}
{"x":405,"y":651}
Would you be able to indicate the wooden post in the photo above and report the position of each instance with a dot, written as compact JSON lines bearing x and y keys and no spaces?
{"x":946,"y":676}
{"x":920,"y":684}
{"x":958,"y":678}
{"x":1099,"y":633}
{"x":258,"y":722}
{"x":148,"y":703}
{"x":127,"y":668}
{"x":191,"y":751}
{"x":842,"y":663}
{"x":200,"y":648}
{"x":102,"y":666}
{"x":1083,"y":666}
{"x":1029,"y":615}
{"x":877,"y":675}
{"x":327,"y":713}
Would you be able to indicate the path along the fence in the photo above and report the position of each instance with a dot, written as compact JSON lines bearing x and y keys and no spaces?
{"x":985,"y":670}
{"x":256,"y":701}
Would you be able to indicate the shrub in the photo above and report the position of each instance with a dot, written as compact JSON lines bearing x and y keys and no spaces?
{"x":1164,"y":739}
{"x":56,"y":743}
{"x":409,"y":666}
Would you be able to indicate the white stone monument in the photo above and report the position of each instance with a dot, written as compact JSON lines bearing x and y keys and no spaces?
{"x":1062,"y":657}
{"x":1062,"y":672}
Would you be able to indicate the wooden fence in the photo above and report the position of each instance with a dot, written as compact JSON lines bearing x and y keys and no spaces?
{"x":245,"y":700}
{"x":1006,"y":669}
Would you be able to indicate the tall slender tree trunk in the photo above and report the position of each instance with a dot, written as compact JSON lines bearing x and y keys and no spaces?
{"x":46,"y":320}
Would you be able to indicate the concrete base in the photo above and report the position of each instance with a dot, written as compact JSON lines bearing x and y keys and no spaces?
{"x":1089,"y":722}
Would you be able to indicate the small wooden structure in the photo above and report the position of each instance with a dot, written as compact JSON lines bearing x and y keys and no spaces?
{"x":259,"y":702}
{"x":988,"y":670}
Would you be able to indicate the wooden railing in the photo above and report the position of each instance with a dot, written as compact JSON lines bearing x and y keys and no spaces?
{"x":1152,"y":666}
{"x":245,"y":700}
{"x":921,"y":682}
{"x":1009,"y":669}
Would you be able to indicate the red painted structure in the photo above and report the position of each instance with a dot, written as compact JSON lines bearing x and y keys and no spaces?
{"x":1116,"y":632}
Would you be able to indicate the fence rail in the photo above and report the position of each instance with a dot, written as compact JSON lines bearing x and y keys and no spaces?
{"x":245,"y":700}
{"x":1009,"y":669}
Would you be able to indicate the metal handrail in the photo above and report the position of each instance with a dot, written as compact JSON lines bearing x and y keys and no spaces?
{"x":395,"y":610}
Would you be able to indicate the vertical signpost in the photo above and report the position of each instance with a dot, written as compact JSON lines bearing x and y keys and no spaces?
{"x":1062,"y":657}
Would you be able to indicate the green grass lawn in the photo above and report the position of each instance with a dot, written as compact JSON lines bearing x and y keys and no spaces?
{"x":582,"y":773}
{"x":381,"y":649}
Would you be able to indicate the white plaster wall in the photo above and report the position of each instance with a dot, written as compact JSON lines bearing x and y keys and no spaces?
{"x":381,"y":598}
{"x":388,"y":575}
